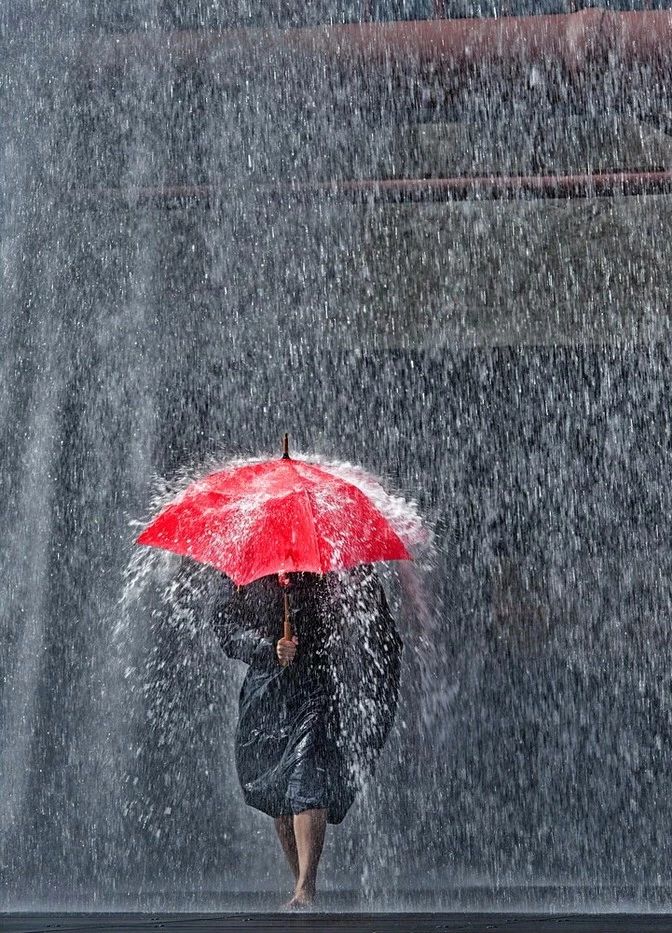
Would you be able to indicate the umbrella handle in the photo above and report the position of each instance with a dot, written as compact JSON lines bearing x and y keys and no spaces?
{"x":288,"y":624}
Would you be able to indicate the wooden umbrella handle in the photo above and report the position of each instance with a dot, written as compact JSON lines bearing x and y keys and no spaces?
{"x":288,"y":624}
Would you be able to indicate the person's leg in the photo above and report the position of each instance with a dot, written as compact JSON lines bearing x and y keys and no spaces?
{"x":309,"y":831}
{"x":284,"y":826}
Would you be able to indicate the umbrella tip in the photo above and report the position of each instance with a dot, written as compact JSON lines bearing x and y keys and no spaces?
{"x":285,"y":447}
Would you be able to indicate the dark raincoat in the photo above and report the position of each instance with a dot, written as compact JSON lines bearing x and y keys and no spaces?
{"x":309,"y":733}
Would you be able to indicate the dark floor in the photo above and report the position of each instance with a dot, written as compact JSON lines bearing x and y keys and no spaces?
{"x":338,"y":923}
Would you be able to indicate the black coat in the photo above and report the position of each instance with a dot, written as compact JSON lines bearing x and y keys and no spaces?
{"x":309,"y":733}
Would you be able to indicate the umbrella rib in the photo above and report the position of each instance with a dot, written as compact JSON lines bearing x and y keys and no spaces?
{"x":306,"y":494}
{"x":314,"y":527}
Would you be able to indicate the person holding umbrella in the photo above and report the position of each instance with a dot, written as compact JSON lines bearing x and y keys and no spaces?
{"x":314,"y":714}
{"x":298,"y":541}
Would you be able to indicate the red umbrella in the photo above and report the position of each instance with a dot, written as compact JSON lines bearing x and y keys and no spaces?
{"x":276,"y":516}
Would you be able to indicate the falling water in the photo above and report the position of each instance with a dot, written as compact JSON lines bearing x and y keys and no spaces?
{"x":183,"y":280}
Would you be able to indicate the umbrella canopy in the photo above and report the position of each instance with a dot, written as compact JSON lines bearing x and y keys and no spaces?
{"x":277,"y":516}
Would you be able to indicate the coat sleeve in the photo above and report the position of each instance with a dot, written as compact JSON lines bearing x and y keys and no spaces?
{"x":237,"y":634}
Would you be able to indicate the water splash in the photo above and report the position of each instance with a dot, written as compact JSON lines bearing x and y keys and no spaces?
{"x":175,"y":671}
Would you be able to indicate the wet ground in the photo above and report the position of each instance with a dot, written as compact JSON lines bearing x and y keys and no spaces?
{"x":338,"y":923}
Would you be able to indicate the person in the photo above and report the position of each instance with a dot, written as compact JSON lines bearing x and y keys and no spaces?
{"x":315,"y":710}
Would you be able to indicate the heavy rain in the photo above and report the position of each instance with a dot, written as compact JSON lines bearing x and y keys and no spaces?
{"x":428,"y":238}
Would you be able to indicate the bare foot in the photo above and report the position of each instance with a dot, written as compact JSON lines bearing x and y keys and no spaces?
{"x":302,"y":900}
